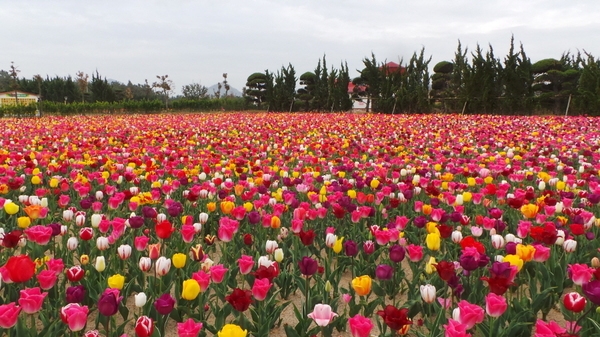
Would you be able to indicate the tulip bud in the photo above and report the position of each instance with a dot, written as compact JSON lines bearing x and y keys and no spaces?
{"x":68,"y":215}
{"x":328,"y":286}
{"x":100,"y":263}
{"x":560,"y":237}
{"x":72,"y":243}
{"x":203,"y":218}
{"x":197,"y":227}
{"x":457,"y":236}
{"x":96,"y":218}
{"x":99,"y":195}
{"x":497,"y":241}
{"x":162,"y":265}
{"x":44,"y":202}
{"x":570,"y":245}
{"x":595,"y":262}
{"x":145,"y":264}
{"x":102,"y":243}
{"x":124,"y":251}
{"x":270,"y":246}
{"x":278,"y":255}
{"x":84,"y":259}
{"x":428,"y":293}
{"x":140,"y":299}
{"x":80,"y":220}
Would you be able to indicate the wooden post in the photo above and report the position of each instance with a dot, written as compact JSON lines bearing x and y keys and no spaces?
{"x":568,"y":104}
{"x":464,"y":107}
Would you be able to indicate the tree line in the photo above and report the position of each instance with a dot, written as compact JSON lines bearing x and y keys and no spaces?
{"x":472,"y":82}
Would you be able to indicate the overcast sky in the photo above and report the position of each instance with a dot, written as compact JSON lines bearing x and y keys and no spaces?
{"x":198,"y":41}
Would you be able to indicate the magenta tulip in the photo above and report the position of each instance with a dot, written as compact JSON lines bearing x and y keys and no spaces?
{"x":495,"y":305}
{"x":31,"y":300}
{"x":261,"y":288}
{"x":188,"y":328}
{"x":360,"y":326}
{"x":75,"y":315}
{"x":9,"y":313}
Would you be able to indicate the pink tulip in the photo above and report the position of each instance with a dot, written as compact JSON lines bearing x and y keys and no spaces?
{"x":9,"y":314}
{"x":360,"y":326}
{"x":415,"y":253}
{"x":261,"y":288}
{"x":31,"y":300}
{"x":217,"y":273}
{"x":188,"y":328}
{"x":580,"y":273}
{"x":187,"y":233}
{"x":455,"y":329}
{"x":75,"y":315}
{"x":495,"y":305}
{"x":542,"y":253}
{"x":470,"y":314}
{"x":203,"y":279}
{"x":246,"y":263}
{"x":140,"y":243}
{"x":322,"y":314}
{"x":47,"y":279}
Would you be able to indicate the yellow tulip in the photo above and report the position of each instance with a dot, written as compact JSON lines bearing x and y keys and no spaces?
{"x":430,"y":266}
{"x":232,"y":330}
{"x":351,"y":194}
{"x":525,"y":252}
{"x":36,"y":180}
{"x":53,"y":183}
{"x":211,"y":206}
{"x":116,"y":281}
{"x":530,"y":210}
{"x":337,"y":246}
{"x":179,"y":260}
{"x":11,"y":208}
{"x":560,"y":185}
{"x":514,"y":260}
{"x":23,"y":222}
{"x":433,"y":241}
{"x":374,"y":183}
{"x":471,"y":181}
{"x":248,"y":206}
{"x":362,"y":285}
{"x":467,"y":196}
{"x":191,"y":289}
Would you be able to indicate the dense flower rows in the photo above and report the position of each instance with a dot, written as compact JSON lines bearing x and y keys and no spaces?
{"x":420,"y":225}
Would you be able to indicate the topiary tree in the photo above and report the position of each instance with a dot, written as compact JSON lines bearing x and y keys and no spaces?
{"x":306,"y":94}
{"x":256,"y":88}
{"x":554,"y":81}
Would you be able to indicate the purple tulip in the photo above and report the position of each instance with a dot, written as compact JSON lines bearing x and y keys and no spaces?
{"x":308,"y":266}
{"x":591,"y":290}
{"x":164,"y":304}
{"x":149,"y":212}
{"x":384,"y":272}
{"x":108,"y":304}
{"x":136,"y":222}
{"x":350,"y":248}
{"x":75,"y":294}
{"x":175,"y":209}
{"x":254,"y":217}
{"x":397,"y":253}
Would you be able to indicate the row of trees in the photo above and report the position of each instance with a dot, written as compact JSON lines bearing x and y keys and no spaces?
{"x":321,"y":90}
{"x":472,"y":82}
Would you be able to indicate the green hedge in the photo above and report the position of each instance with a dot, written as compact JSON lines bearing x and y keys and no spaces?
{"x":143,"y":106}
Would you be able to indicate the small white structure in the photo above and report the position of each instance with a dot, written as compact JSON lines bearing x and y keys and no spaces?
{"x":23,"y":98}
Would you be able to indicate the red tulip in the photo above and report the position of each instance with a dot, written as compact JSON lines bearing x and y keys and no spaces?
{"x":574,"y":302}
{"x":20,"y":268}
{"x":164,"y":229}
{"x":395,"y":318}
{"x":75,"y":273}
{"x":239,"y":299}
{"x":144,"y":326}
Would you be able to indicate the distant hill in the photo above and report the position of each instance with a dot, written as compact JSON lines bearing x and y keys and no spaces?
{"x":232,"y":91}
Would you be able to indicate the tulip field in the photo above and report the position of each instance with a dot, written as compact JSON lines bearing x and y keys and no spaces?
{"x":268,"y":224}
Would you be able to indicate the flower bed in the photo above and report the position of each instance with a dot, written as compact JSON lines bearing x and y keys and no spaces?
{"x":226,"y":224}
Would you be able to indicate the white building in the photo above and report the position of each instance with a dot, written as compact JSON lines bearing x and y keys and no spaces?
{"x":24,"y":98}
